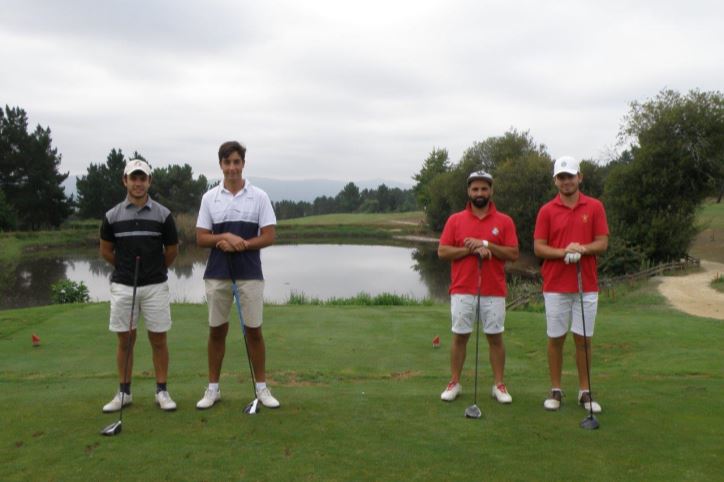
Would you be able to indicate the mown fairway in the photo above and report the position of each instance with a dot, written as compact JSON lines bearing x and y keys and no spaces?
{"x":360,"y":389}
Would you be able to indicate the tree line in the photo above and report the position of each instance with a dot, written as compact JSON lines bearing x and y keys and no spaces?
{"x":350,"y":200}
{"x":651,"y":190}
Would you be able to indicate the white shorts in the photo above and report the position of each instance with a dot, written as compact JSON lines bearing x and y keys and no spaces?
{"x":492,"y":314}
{"x":152,"y":301}
{"x":219,"y":298}
{"x":563,"y":310}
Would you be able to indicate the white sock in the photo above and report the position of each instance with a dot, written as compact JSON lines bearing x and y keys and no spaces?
{"x":214,"y":387}
{"x":260,"y":385}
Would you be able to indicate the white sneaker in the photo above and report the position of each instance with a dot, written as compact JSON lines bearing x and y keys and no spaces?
{"x":115,"y":404}
{"x":500,"y":393}
{"x":553,"y":402}
{"x":584,"y":399}
{"x":451,"y":392}
{"x":163,"y":400}
{"x":266,"y":398}
{"x":209,"y":399}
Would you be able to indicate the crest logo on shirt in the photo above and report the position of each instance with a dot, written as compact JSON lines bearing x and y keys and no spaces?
{"x":584,"y":218}
{"x":495,"y":231}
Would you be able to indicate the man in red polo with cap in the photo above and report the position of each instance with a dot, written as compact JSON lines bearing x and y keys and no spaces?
{"x":570,"y":229}
{"x":478,"y":232}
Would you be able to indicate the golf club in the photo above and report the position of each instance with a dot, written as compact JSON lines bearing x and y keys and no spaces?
{"x":473,"y":411}
{"x":253,"y":407}
{"x":590,"y":422}
{"x":116,"y":427}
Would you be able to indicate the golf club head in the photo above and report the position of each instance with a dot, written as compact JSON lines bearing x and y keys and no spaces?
{"x":253,"y":407}
{"x":589,"y":423}
{"x":113,"y":429}
{"x":473,"y":412}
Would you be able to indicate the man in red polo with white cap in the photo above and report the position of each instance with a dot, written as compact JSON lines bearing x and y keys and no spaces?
{"x":570,"y":229}
{"x":479,"y":231}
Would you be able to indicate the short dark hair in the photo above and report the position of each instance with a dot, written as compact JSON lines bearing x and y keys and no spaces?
{"x":229,"y":147}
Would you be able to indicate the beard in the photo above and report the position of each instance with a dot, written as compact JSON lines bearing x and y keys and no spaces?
{"x":480,"y":201}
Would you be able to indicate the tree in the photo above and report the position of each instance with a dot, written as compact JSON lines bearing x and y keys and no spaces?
{"x":8,"y":217}
{"x":521,"y":186}
{"x":29,"y":176}
{"x":174,"y":187}
{"x":348,"y":199}
{"x":437,"y":162}
{"x":102,"y":187}
{"x":448,"y":190}
{"x":493,"y":151}
{"x":676,"y":159}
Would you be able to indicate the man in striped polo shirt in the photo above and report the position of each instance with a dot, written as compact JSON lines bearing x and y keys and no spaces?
{"x":140,"y":228}
{"x":236,"y":220}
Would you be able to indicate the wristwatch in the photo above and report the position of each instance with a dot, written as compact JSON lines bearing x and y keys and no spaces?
{"x":485,"y":243}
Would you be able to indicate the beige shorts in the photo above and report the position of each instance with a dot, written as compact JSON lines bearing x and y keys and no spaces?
{"x":563,"y":310}
{"x":492,"y":314}
{"x":152,"y":301}
{"x":220,"y":299}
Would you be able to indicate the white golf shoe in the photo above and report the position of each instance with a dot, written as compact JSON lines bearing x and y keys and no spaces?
{"x":500,"y":393}
{"x":553,"y":402}
{"x":209,"y":399}
{"x":265,"y":397}
{"x":584,"y":400}
{"x":451,"y":392}
{"x":115,"y":404}
{"x":163,"y":400}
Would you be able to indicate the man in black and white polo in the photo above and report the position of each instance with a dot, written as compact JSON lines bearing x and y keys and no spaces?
{"x":236,"y":220}
{"x":139,"y":227}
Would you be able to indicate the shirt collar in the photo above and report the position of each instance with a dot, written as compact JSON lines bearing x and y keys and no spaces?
{"x":148,"y":205}
{"x":245,"y":189}
{"x":491,"y":210}
{"x":582,"y":199}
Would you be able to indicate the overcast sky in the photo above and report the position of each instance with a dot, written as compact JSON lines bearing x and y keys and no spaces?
{"x":344,"y":90}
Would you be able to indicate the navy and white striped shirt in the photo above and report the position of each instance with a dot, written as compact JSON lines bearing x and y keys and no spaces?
{"x":140,"y":232}
{"x":242,"y":214}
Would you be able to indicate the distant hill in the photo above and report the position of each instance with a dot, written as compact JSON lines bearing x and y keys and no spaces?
{"x":280,"y":190}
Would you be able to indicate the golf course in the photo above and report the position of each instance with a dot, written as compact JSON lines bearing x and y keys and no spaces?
{"x":359,"y":388}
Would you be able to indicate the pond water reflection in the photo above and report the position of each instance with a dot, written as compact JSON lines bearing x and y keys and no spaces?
{"x":318,"y":271}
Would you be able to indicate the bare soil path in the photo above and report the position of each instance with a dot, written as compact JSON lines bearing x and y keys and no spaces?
{"x":693,"y":294}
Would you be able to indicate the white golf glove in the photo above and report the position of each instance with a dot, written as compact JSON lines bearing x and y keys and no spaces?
{"x":572,"y":258}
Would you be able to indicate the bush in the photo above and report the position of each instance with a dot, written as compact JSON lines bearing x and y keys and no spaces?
{"x":67,"y":291}
{"x":621,"y":258}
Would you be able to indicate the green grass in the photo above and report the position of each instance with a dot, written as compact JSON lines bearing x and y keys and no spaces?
{"x":15,"y":243}
{"x":709,"y":244}
{"x":712,"y":214}
{"x":718,"y":282}
{"x":410,"y":218}
{"x":360,"y":389}
{"x":368,"y":228}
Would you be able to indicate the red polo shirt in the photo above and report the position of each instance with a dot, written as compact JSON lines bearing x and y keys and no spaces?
{"x":497,"y":228}
{"x":560,"y":225}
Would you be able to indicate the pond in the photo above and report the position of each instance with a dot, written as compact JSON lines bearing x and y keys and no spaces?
{"x":315,"y":270}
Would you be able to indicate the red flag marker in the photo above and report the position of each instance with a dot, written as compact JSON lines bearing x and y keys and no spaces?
{"x":436,"y":342}
{"x":36,"y":340}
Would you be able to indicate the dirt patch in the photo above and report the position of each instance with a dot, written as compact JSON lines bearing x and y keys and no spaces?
{"x":290,"y":379}
{"x":407,"y":374}
{"x":693,"y":293}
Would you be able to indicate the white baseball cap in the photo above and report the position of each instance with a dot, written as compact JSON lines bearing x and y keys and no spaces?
{"x":137,"y":165}
{"x":566,"y":164}
{"x":482,"y":175}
